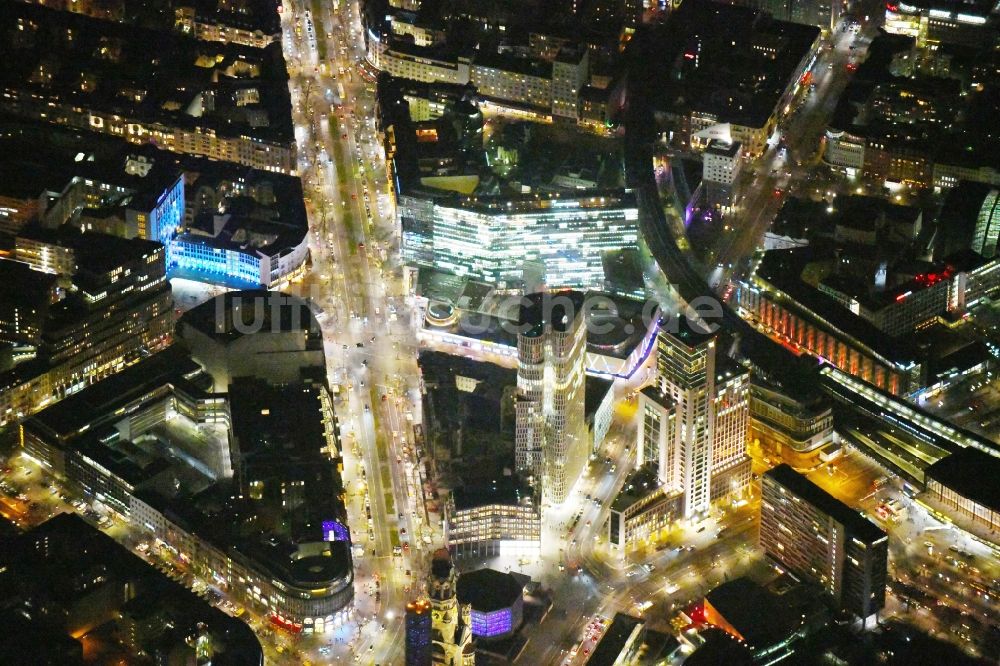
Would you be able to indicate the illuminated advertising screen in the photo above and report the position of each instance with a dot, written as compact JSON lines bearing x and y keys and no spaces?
{"x":334,"y":530}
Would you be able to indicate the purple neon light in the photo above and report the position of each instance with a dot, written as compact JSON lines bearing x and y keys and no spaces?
{"x":334,"y":530}
{"x":491,"y":624}
{"x":650,"y":342}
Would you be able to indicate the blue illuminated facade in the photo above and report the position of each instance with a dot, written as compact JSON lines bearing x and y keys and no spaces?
{"x":165,"y":218}
{"x":334,"y":530}
{"x":215,"y":259}
{"x":492,"y":624}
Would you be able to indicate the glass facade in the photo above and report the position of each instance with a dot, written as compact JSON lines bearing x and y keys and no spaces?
{"x":492,"y":241}
{"x":224,"y":263}
{"x":491,"y":624}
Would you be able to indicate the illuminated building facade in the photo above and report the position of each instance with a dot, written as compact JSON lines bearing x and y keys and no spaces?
{"x":492,"y":518}
{"x":705,"y":458}
{"x":491,"y":239}
{"x":641,"y":509}
{"x":418,"y":633}
{"x":934,"y":22}
{"x":964,"y":483}
{"x":551,"y":441}
{"x":987,"y":231}
{"x":285,"y":442}
{"x":119,"y":308}
{"x":817,"y":538}
{"x":794,"y":429}
{"x":802,"y":320}
{"x":496,"y":601}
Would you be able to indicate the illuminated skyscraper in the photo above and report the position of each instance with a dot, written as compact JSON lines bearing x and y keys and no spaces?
{"x":551,"y":433}
{"x":694,"y":427}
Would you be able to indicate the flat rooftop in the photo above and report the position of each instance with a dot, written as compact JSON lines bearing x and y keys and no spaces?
{"x":488,"y":589}
{"x":65,"y":418}
{"x":971,"y":473}
{"x":609,"y":650}
{"x":637,"y":486}
{"x":857,"y":525}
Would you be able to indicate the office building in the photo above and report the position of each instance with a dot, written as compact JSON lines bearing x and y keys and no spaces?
{"x":720,"y":167}
{"x":494,"y":239}
{"x":570,"y":71}
{"x":115,"y":308}
{"x":942,"y":22}
{"x":551,"y":434}
{"x":705,"y":457}
{"x":243,"y":227}
{"x":819,"y":539}
{"x":198,"y":470}
{"x":779,"y":303}
{"x":721,"y":162}
{"x":496,"y":600}
{"x":642,"y":509}
{"x":451,"y":621}
{"x":987,"y":231}
{"x":824,"y":14}
{"x":493,"y":517}
{"x":418,"y":633}
{"x":794,"y":426}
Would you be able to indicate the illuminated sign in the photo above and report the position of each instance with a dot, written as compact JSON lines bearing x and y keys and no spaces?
{"x":334,"y":530}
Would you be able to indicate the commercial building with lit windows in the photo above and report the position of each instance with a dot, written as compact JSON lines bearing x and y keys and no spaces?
{"x":819,"y":539}
{"x":495,"y":517}
{"x":705,"y":457}
{"x":71,"y":329}
{"x":236,"y":471}
{"x":493,"y":239}
{"x":936,"y":22}
{"x":691,"y":439}
{"x":964,"y":484}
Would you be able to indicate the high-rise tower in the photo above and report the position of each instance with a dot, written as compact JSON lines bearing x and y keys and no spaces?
{"x":551,"y":435}
{"x":694,"y":422}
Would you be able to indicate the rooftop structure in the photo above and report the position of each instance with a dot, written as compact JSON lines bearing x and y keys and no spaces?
{"x":253,"y":333}
{"x":620,"y":642}
{"x":965,"y":483}
{"x":769,"y":623}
